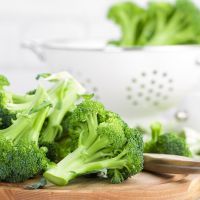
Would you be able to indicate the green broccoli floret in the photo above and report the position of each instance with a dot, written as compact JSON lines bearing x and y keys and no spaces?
{"x":64,"y":94}
{"x":21,"y":158}
{"x":168,"y":143}
{"x":110,"y":145}
{"x":178,"y":25}
{"x":11,"y":104}
{"x":159,"y":23}
{"x":129,"y":17}
{"x":171,"y":143}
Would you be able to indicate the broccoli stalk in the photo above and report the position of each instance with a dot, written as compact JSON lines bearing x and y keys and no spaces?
{"x":21,"y":157}
{"x":67,"y":96}
{"x":64,"y":94}
{"x":107,"y":145}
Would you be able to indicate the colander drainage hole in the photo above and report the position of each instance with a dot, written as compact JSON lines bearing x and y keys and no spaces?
{"x":164,"y":74}
{"x":134,"y":80}
{"x":95,"y":89}
{"x":158,"y":94}
{"x":143,"y":74}
{"x":140,"y":94}
{"x":153,"y":82}
{"x":142,"y":86}
{"x":155,"y":103}
{"x":128,"y":88}
{"x":150,"y":90}
{"x":88,"y":80}
{"x":155,"y":72}
{"x":165,"y":97}
{"x":147,"y":98}
{"x":129,"y":97}
{"x":135,"y":103}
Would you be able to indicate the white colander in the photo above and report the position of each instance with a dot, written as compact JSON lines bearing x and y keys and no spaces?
{"x":138,"y":83}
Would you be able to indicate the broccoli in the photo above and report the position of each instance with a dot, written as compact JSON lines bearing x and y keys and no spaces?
{"x":108,"y":144}
{"x":178,"y":25}
{"x":168,"y":143}
{"x":128,"y":16}
{"x":11,"y":104}
{"x":160,"y":23}
{"x":64,"y":94}
{"x":21,"y":158}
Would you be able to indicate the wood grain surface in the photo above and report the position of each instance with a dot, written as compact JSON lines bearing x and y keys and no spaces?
{"x":144,"y":186}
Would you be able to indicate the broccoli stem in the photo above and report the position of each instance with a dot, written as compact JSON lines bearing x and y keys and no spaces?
{"x":156,"y":130}
{"x":24,"y":121}
{"x":21,"y":123}
{"x":18,"y":107}
{"x":92,"y":124}
{"x":34,"y":134}
{"x":164,"y":35}
{"x":18,"y":99}
{"x":128,"y":34}
{"x":62,"y":173}
{"x":55,"y":118}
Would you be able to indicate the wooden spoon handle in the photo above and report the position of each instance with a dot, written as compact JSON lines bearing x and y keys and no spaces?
{"x":161,"y":163}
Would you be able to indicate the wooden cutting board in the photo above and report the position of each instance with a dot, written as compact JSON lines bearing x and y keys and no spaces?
{"x":144,"y":186}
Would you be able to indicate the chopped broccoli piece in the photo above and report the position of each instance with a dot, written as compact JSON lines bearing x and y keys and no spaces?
{"x":168,"y":143}
{"x":160,"y":23}
{"x":21,"y":158}
{"x":11,"y":104}
{"x":64,"y":94}
{"x":110,"y":145}
{"x":128,"y":16}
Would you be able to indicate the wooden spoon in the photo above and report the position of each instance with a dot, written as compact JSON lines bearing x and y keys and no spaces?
{"x":163,"y":163}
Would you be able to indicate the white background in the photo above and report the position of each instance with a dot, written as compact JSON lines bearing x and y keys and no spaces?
{"x":21,"y":20}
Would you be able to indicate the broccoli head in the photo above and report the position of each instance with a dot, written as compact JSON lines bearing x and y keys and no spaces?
{"x":159,"y":23}
{"x":168,"y":143}
{"x":21,"y":158}
{"x":101,"y":145}
{"x":11,"y":104}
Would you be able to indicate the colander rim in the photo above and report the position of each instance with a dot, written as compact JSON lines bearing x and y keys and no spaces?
{"x":64,"y":44}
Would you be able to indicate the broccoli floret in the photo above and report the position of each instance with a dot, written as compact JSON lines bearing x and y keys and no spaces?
{"x":178,"y":25}
{"x":64,"y":94}
{"x":6,"y":118}
{"x":21,"y":158}
{"x":128,"y":16}
{"x":110,"y":145}
{"x":171,"y":143}
{"x":11,"y":104}
{"x":168,"y":143}
{"x":159,"y":23}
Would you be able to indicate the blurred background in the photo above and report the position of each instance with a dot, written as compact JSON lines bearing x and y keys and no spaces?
{"x":26,"y":20}
{"x":22,"y":20}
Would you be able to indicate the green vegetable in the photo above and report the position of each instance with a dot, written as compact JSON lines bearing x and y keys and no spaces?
{"x":168,"y":143}
{"x":10,"y":104}
{"x":160,"y":23}
{"x":108,"y":144}
{"x":63,"y":95}
{"x":21,"y":158}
